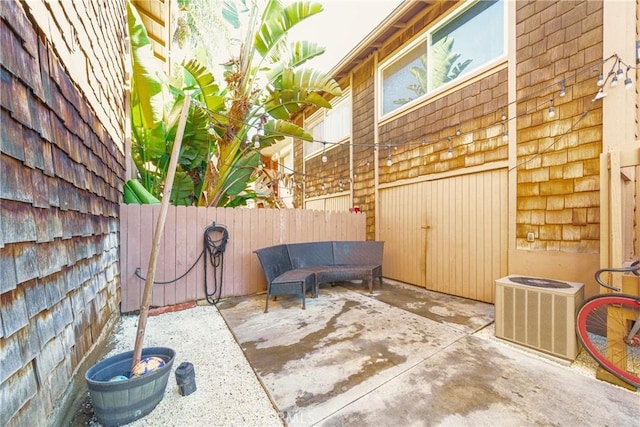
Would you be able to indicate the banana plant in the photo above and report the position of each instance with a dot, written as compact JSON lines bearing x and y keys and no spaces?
{"x":265,"y":86}
{"x":228,"y":123}
{"x":155,"y":109}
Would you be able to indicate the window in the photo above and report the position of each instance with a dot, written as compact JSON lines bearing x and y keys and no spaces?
{"x":331,"y":126}
{"x":469,"y":39}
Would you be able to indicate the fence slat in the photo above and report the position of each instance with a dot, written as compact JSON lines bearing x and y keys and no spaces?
{"x":249,"y":229}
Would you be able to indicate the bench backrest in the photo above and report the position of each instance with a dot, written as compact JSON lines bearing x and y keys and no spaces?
{"x":274,"y":260}
{"x":358,"y":253}
{"x":310,"y":254}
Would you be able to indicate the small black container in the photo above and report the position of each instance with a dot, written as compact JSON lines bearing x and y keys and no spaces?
{"x":186,"y":378}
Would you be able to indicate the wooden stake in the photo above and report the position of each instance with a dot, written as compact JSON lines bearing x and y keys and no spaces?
{"x":157,"y":237}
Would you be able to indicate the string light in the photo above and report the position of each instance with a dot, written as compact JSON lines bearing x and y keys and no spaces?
{"x":212,"y":129}
{"x":614,"y":81}
{"x":450,"y":150}
{"x":324,"y":154}
{"x":563,"y":86}
{"x":552,"y":111}
{"x":619,"y":72}
{"x":601,"y":94}
{"x":627,"y":81}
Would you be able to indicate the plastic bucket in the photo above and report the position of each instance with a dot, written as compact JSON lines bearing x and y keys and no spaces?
{"x":120,"y":402}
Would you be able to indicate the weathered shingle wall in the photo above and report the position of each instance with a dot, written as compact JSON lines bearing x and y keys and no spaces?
{"x":61,"y":175}
{"x":363,"y":143}
{"x":558,"y":194}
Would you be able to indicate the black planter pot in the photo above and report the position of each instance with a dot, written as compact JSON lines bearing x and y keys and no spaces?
{"x":120,"y":402}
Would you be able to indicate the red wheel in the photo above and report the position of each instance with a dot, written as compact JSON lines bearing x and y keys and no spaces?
{"x":603,"y":325}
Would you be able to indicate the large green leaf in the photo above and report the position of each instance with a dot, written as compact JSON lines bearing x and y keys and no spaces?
{"x":182,"y":192}
{"x":281,"y":104}
{"x":236,"y":181}
{"x":276,"y":23}
{"x":299,"y":53}
{"x":307,"y":79}
{"x":143,"y":64}
{"x":277,"y":130}
{"x":206,"y":83}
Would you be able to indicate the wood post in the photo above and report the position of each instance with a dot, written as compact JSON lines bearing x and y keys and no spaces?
{"x":157,"y":237}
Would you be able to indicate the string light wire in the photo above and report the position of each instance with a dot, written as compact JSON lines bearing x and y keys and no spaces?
{"x":222,"y":119}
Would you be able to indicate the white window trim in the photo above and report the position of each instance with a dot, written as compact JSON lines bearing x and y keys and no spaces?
{"x":320,"y":115}
{"x":424,"y":37}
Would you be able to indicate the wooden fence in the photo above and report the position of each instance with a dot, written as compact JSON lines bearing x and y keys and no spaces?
{"x":183,"y":242}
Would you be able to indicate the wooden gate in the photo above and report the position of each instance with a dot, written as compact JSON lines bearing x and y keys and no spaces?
{"x":448,"y":235}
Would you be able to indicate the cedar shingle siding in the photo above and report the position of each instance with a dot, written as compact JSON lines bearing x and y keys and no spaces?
{"x":550,"y":166}
{"x":558,"y":191}
{"x":61,"y":175}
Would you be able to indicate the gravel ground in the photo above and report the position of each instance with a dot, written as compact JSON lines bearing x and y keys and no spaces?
{"x":228,"y":392}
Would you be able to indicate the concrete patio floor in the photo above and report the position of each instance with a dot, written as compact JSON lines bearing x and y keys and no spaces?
{"x":406,"y":356}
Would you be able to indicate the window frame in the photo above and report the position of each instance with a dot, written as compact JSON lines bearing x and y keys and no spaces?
{"x":319,"y":117}
{"x":425,"y":37}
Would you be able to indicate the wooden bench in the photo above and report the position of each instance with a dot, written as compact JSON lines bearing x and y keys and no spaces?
{"x":297,"y":268}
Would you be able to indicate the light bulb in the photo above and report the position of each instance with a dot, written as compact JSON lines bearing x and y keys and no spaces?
{"x":324,"y":158}
{"x":614,"y":81}
{"x":600,"y":81}
{"x":450,"y":153}
{"x":505,"y":136}
{"x":256,"y":143}
{"x":212,"y":130}
{"x":563,"y":91}
{"x":599,"y":95}
{"x":389,"y":161}
{"x":552,"y":112}
{"x":628,"y":84}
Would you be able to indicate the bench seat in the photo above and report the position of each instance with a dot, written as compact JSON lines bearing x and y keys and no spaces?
{"x":297,"y":268}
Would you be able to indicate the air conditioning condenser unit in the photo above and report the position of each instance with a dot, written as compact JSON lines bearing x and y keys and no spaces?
{"x":538,"y":313}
